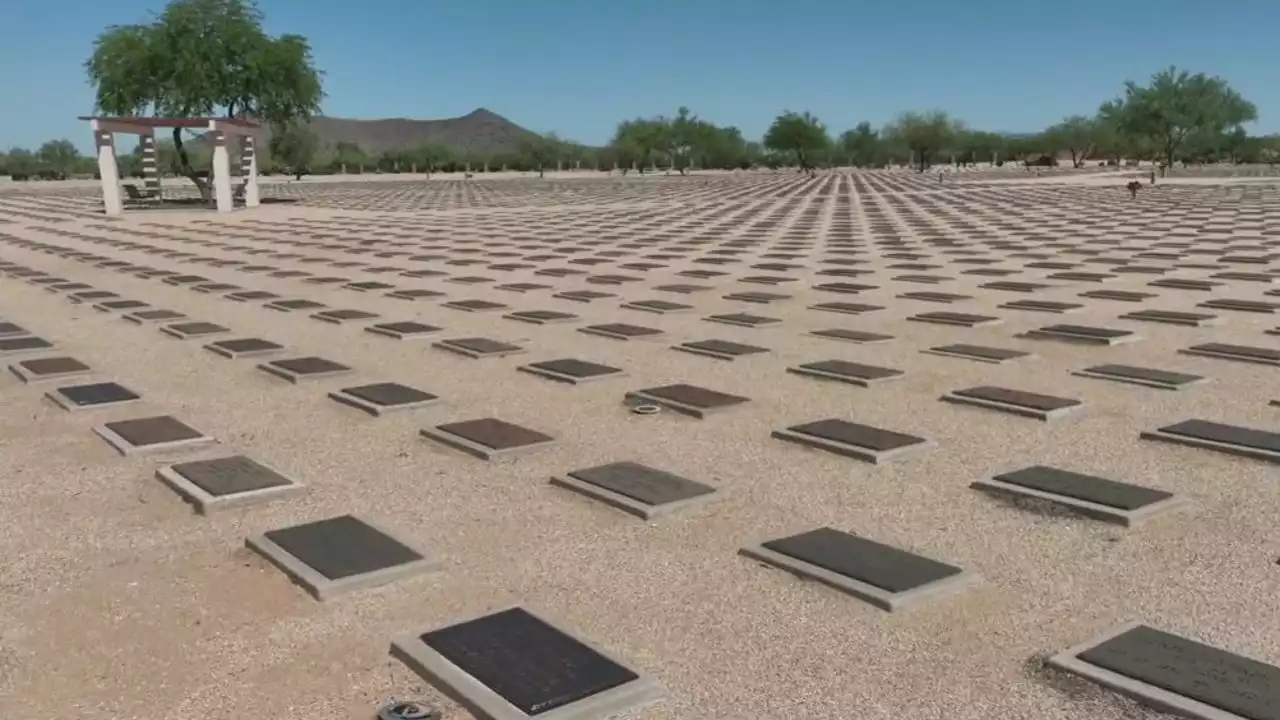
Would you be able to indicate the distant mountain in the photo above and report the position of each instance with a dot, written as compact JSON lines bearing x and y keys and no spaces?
{"x":480,"y":132}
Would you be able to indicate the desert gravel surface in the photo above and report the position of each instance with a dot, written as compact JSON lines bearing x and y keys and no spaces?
{"x":117,"y":600}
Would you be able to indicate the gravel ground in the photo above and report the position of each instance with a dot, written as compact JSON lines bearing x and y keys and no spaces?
{"x":116,"y":600}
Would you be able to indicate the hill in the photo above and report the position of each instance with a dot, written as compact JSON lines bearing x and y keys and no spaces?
{"x":480,"y":132}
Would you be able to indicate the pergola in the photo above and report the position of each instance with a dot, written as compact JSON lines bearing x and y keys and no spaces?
{"x":219,"y":130}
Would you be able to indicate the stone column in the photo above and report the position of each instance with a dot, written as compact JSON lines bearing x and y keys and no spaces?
{"x":221,"y":172}
{"x":110,"y":172}
{"x":249,"y":169}
{"x":150,"y":164}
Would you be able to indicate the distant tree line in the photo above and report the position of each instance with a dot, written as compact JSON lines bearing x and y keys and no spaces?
{"x":214,"y":58}
{"x":1176,"y":117}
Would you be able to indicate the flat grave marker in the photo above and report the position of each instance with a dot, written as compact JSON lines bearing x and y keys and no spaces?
{"x":91,"y":296}
{"x":119,"y":305}
{"x":474,"y":305}
{"x":1095,"y":497}
{"x":884,"y":576}
{"x":743,"y":320}
{"x":251,"y":295}
{"x":960,"y":319}
{"x":488,"y":438}
{"x":690,"y":400}
{"x":367,"y":285}
{"x":152,"y":316}
{"x":1241,"y":353}
{"x":1147,"y":377}
{"x":846,"y":307}
{"x":1171,"y":673}
{"x":291,"y":305}
{"x":847,"y":372}
{"x":149,"y":435}
{"x":1170,"y":317}
{"x":761,"y":298}
{"x":216,"y":287}
{"x":638,"y":489}
{"x":226,"y":482}
{"x":569,"y":370}
{"x":541,"y":317}
{"x":478,"y":347}
{"x":719,"y":349}
{"x":513,"y":664}
{"x":979,"y":353}
{"x":1045,"y":306}
{"x":584,"y":296}
{"x":340,"y":554}
{"x":297,"y":370}
{"x":661,"y":307}
{"x":243,"y":347}
{"x":8,"y":329}
{"x":49,"y":369}
{"x":90,"y":396}
{"x":1016,"y":402}
{"x":1254,"y":306}
{"x":621,"y":331}
{"x":861,"y":442}
{"x":1185,"y":284}
{"x":1220,"y":437}
{"x":407,"y":330}
{"x":938,"y":297}
{"x":23,"y":344}
{"x":337,"y":317}
{"x":185,"y":331}
{"x":381,"y":398}
{"x":1081,"y":334}
{"x":853,"y":336}
{"x":1118,"y":295}
{"x":414,"y":294}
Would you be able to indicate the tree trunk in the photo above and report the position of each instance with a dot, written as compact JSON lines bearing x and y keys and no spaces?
{"x":206,"y":190}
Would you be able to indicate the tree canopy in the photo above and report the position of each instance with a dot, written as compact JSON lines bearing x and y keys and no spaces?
{"x":1176,"y":106}
{"x":201,"y":58}
{"x":925,"y":134}
{"x":295,"y":146}
{"x":798,"y":133}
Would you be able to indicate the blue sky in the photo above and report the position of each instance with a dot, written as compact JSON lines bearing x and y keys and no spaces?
{"x":577,"y":67}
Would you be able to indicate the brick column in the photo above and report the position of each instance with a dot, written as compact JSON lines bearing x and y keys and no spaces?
{"x":150,"y":165}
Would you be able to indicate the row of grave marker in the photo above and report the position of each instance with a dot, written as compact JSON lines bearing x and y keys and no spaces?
{"x":517,"y":677}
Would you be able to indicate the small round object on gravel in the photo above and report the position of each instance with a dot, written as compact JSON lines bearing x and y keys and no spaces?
{"x":408,"y":711}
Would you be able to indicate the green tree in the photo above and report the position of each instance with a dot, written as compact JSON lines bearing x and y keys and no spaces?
{"x":58,"y":158}
{"x":925,"y":134}
{"x":350,"y":157}
{"x":429,"y":157}
{"x":21,"y":163}
{"x":861,"y":146}
{"x":538,"y":151}
{"x":1077,"y":135}
{"x":1174,"y":105}
{"x":204,"y":58}
{"x":974,"y":146}
{"x":636,"y":141}
{"x":800,"y":134}
{"x":719,"y":147}
{"x":294,"y":146}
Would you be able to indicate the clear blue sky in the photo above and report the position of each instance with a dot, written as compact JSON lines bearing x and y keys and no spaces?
{"x":579,"y":66}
